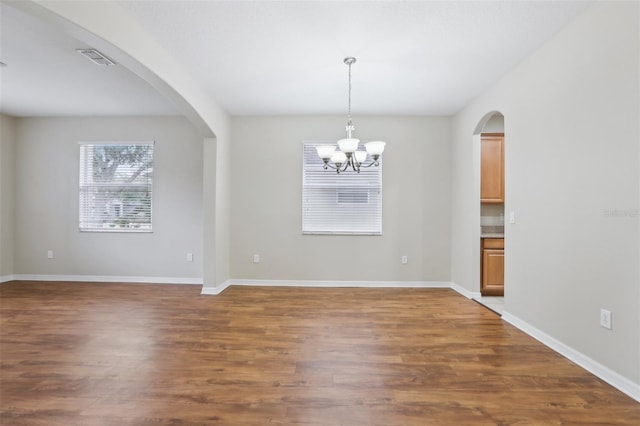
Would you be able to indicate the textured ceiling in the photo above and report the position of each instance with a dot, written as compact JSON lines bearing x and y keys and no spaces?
{"x":264,"y":58}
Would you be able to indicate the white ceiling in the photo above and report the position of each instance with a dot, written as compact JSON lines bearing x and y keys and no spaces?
{"x":285,"y":57}
{"x":45,"y":76}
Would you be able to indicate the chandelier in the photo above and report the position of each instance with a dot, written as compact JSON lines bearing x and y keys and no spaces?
{"x":348,"y":156}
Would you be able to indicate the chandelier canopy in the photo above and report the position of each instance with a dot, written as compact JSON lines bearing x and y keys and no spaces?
{"x":348,"y":156}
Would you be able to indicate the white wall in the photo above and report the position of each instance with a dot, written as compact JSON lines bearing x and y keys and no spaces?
{"x":223,"y":205}
{"x":572,"y":140}
{"x":7,"y":195}
{"x":47,"y":200}
{"x":266,"y":202}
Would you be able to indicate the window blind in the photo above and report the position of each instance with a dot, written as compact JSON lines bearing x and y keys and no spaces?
{"x":345,"y":203}
{"x":116,"y":186}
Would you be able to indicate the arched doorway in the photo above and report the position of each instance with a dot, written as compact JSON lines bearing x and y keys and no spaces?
{"x":489,"y":197}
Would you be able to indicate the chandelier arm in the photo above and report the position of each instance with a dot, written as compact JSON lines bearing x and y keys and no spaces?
{"x":373,"y":163}
{"x":356,"y":166}
{"x":327,"y":165}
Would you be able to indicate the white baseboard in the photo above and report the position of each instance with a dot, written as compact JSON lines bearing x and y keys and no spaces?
{"x":214,"y":291}
{"x":109,"y":279}
{"x":463,"y":291}
{"x":614,"y":379}
{"x":6,"y":278}
{"x":321,"y":283}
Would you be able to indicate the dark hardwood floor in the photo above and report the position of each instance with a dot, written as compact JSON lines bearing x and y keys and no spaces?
{"x":118,"y":354}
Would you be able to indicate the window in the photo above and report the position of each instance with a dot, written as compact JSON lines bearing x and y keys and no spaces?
{"x":116,"y":186}
{"x":345,"y":203}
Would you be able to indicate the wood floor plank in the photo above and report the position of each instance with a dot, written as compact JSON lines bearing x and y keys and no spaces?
{"x":123,"y":354}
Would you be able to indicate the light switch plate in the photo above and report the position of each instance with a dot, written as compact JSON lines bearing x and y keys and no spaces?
{"x":605,"y":318}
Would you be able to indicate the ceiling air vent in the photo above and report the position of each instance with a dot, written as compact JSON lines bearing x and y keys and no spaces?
{"x":97,"y":57}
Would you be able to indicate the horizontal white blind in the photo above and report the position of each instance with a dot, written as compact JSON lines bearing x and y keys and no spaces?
{"x":116,"y":186}
{"x":345,"y":203}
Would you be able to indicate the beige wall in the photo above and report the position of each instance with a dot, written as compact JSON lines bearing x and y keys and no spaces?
{"x":7,"y":195}
{"x":47,"y":200}
{"x":572,"y":139}
{"x":266,"y":202}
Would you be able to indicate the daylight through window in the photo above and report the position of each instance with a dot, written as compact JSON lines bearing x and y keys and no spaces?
{"x":345,"y":203}
{"x":116,"y":186}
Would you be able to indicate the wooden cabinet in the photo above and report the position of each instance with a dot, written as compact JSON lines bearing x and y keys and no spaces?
{"x":492,"y":168}
{"x":492,"y":267}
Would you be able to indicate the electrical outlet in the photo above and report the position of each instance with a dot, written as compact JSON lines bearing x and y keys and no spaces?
{"x":189,"y":257}
{"x":404,"y":260}
{"x":49,"y":254}
{"x":256,"y":258}
{"x":605,"y":318}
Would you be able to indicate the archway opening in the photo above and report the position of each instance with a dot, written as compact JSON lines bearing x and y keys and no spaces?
{"x":489,"y":197}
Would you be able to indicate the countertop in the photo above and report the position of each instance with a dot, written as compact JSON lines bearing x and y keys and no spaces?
{"x":492,"y":232}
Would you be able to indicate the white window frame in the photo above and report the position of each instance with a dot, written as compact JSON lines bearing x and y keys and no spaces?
{"x":95,"y":218}
{"x":322,"y":213}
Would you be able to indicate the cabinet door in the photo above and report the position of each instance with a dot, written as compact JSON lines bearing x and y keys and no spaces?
{"x":492,"y":169}
{"x":492,"y":272}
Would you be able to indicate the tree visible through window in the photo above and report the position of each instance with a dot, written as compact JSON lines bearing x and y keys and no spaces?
{"x":116,"y":186}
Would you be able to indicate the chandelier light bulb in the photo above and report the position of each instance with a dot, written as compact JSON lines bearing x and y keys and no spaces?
{"x":360,"y":156}
{"x":374,"y":147}
{"x":325,"y":151}
{"x":349,"y":145}
{"x":339,"y":158}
